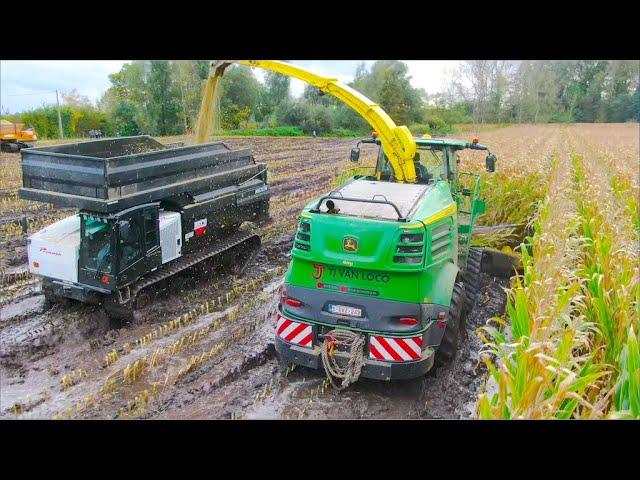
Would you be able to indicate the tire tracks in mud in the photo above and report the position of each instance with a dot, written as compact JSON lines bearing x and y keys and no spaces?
{"x":249,"y":383}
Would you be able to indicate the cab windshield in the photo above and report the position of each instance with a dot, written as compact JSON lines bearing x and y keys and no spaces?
{"x":97,"y":244}
{"x":429,"y":162}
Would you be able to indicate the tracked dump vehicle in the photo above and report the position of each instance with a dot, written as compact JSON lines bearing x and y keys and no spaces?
{"x":146,"y":212}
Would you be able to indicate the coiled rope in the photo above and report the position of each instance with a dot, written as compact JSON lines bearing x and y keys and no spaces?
{"x":342,"y":377}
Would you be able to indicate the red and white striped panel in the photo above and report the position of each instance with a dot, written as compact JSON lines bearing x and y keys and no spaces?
{"x":297,"y":333}
{"x":395,"y":349}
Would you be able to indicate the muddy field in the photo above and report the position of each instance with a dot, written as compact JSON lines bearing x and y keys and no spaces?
{"x":205,"y":349}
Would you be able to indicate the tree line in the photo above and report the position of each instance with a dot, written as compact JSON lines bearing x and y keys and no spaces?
{"x":161,"y":97}
{"x":535,"y":91}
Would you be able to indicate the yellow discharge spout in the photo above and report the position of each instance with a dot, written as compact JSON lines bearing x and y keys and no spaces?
{"x":397,"y":141}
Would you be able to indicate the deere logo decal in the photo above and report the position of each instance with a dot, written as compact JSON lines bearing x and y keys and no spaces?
{"x":350,"y":244}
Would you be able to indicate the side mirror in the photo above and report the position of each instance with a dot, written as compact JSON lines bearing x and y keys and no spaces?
{"x":355,"y":154}
{"x":490,"y":163}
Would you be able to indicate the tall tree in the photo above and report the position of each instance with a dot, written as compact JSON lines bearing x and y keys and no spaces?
{"x":479,"y":73}
{"x":74,"y":98}
{"x":274,"y":94}
{"x":240,"y":94}
{"x":620,"y":87}
{"x":163,"y":96}
{"x":389,"y":83}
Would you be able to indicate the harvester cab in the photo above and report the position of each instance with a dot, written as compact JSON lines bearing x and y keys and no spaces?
{"x":435,"y":160}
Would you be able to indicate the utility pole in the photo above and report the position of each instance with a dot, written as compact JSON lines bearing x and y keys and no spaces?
{"x":59,"y":117}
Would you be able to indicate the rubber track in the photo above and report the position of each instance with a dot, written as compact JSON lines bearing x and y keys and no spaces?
{"x":472,"y":278}
{"x":189,"y":261}
{"x":166,"y":271}
{"x":451,"y":338}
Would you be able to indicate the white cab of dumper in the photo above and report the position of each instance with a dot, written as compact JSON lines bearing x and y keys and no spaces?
{"x":53,"y":251}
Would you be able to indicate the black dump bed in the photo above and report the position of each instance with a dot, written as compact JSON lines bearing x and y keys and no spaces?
{"x":110,"y":175}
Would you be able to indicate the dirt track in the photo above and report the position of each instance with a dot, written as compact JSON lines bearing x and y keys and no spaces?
{"x":219,"y":362}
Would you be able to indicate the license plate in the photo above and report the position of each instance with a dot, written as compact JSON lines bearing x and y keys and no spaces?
{"x":345,"y":310}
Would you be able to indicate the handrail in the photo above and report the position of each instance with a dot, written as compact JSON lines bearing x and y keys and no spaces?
{"x":360,"y":200}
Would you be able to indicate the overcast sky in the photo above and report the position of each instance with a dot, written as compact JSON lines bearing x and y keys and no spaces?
{"x":30,"y":84}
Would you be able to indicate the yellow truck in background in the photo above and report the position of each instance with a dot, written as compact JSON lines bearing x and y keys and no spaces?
{"x":14,"y":136}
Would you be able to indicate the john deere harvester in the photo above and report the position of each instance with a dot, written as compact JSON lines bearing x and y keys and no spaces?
{"x":382,"y":272}
{"x":388,"y":261}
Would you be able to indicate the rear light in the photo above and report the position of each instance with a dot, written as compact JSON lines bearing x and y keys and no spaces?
{"x":104,"y":279}
{"x":303,"y":235}
{"x":409,"y":321}
{"x":200,"y":231}
{"x":292,"y":302}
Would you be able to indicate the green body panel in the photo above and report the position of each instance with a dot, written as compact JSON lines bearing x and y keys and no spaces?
{"x":371,"y":271}
{"x":437,"y":199}
{"x":429,"y":285}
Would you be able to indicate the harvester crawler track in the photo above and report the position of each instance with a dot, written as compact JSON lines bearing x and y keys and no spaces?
{"x":473,"y":278}
{"x":236,"y":252}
